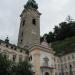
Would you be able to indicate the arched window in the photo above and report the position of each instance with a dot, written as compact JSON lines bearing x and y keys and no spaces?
{"x":5,"y":54}
{"x":30,"y":58}
{"x":20,"y":58}
{"x":46,"y":73}
{"x":14,"y":57}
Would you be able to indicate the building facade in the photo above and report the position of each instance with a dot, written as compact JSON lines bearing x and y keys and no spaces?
{"x":41,"y":55}
{"x":65,"y":65}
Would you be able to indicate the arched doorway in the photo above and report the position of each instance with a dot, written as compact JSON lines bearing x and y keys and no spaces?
{"x":46,"y":73}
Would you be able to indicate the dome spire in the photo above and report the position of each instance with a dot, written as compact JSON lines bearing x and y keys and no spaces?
{"x":7,"y":40}
{"x":31,"y":3}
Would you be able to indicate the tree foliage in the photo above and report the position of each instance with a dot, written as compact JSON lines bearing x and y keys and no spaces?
{"x":22,"y":68}
{"x":65,"y":46}
{"x":5,"y":65}
{"x":8,"y":67}
{"x":62,"y":31}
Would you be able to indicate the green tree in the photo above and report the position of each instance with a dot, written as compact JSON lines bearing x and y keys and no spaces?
{"x":56,"y":33}
{"x":69,"y":19}
{"x":50,"y":37}
{"x":5,"y":65}
{"x":62,"y":31}
{"x":22,"y":68}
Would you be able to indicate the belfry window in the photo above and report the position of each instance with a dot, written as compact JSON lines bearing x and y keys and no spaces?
{"x":34,"y":21}
{"x":23,"y":22}
{"x":22,"y":34}
{"x":21,"y":41}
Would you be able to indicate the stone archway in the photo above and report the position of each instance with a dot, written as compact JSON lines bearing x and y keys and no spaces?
{"x":46,"y":73}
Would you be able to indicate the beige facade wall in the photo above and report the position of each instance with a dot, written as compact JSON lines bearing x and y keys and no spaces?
{"x":38,"y":54}
{"x":13,"y":53}
{"x":63,"y":63}
{"x":35,"y":60}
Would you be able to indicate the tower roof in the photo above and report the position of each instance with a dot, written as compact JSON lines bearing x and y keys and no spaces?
{"x":31,"y":3}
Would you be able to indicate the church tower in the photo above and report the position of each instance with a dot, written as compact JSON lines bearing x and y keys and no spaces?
{"x":29,"y":32}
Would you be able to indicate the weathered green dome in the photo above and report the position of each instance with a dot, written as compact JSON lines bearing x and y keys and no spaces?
{"x":31,"y":3}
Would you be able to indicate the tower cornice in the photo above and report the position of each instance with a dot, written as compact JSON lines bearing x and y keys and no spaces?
{"x":29,"y":10}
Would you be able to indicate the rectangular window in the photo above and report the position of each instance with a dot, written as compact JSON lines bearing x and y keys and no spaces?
{"x":34,"y":21}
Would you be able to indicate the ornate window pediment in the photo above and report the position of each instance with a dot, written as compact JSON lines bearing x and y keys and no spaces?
{"x":46,"y":60}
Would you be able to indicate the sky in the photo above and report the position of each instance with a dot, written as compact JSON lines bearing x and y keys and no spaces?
{"x":53,"y":12}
